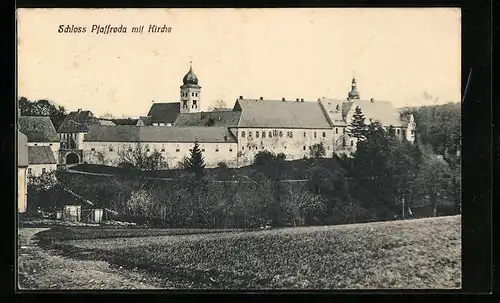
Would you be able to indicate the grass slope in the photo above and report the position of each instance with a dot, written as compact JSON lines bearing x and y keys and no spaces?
{"x":416,"y":254}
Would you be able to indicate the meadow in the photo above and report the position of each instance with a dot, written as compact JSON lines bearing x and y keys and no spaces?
{"x":412,"y":254}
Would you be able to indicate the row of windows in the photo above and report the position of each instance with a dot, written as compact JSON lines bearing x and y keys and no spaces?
{"x":177,"y":149}
{"x":262,"y":147}
{"x":193,"y":94}
{"x":275,"y":133}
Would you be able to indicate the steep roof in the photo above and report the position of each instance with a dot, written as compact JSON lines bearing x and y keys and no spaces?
{"x":214,"y":118}
{"x":334,"y":109}
{"x":129,"y":133}
{"x":382,"y":111}
{"x":106,"y":122}
{"x":38,"y":129}
{"x":22,"y":150}
{"x":40,"y":155}
{"x":78,"y":122}
{"x":280,"y":114}
{"x":164,"y":112}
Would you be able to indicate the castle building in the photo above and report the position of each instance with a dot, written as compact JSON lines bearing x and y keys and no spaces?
{"x":234,"y":136}
{"x":42,"y":143}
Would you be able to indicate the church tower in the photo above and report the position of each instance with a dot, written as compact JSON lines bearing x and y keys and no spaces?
{"x":353,"y":94}
{"x":190,"y":93}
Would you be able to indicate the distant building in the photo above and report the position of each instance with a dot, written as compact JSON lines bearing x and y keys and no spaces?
{"x":22,"y":166}
{"x":107,"y":143}
{"x":72,"y":132}
{"x":280,"y":126}
{"x":235,"y":136}
{"x":41,"y":160}
{"x":40,"y":131}
{"x":164,"y":114}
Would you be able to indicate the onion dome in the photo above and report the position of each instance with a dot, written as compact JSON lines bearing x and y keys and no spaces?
{"x":190,"y":78}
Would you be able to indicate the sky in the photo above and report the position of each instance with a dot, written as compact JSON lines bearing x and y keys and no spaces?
{"x":410,"y":57}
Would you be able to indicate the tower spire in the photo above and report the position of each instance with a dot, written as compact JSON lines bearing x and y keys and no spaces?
{"x":353,"y":94}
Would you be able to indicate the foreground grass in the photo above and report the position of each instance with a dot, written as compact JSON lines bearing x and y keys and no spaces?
{"x":415,"y":254}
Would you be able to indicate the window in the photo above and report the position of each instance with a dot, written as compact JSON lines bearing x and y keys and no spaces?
{"x":285,"y":147}
{"x":230,"y":149}
{"x":217,"y":148}
{"x":43,"y":170}
{"x":314,"y":135}
{"x":192,"y":94}
{"x":162,"y":150}
{"x":398,"y":131}
{"x":190,"y":149}
{"x":263,"y":134}
{"x":275,"y":133}
{"x":92,"y":149}
{"x":29,"y":171}
{"x":243,"y":134}
{"x":304,"y":147}
{"x":111,"y":148}
{"x":343,"y":130}
{"x":177,"y":149}
{"x":203,"y":150}
{"x":336,"y":130}
{"x":249,"y":134}
{"x":343,"y":142}
{"x":352,"y":142}
{"x":225,"y":138}
{"x":270,"y":134}
{"x":304,"y":134}
{"x":256,"y":134}
{"x":36,"y":144}
{"x":196,"y":94}
{"x":148,"y":150}
{"x":281,"y":134}
{"x":262,"y":147}
{"x":194,"y":102}
{"x":256,"y":147}
{"x":324,"y":134}
{"x":130,"y":149}
{"x":328,"y":147}
{"x":50,"y":144}
{"x":412,"y":132}
{"x":242,"y":148}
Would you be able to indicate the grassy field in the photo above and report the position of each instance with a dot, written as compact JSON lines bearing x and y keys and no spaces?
{"x":414,"y":254}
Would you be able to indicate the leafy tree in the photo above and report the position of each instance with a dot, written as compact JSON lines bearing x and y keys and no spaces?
{"x":57,"y":114}
{"x":434,"y":178}
{"x":357,"y":127}
{"x":318,"y":150}
{"x":140,"y":159}
{"x":196,"y":163}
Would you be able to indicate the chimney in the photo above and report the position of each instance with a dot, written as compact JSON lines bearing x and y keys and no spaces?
{"x":283,"y":99}
{"x":371,"y":100}
{"x":79,"y":110}
{"x":261,"y":98}
{"x":241,"y":97}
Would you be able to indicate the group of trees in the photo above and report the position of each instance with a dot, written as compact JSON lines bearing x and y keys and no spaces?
{"x":381,"y":180}
{"x":387,"y":173}
{"x":42,"y":108}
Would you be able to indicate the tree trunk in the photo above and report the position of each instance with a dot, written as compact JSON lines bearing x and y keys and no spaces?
{"x":434,"y":202}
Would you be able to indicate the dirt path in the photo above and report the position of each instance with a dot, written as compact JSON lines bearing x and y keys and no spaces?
{"x":44,"y":269}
